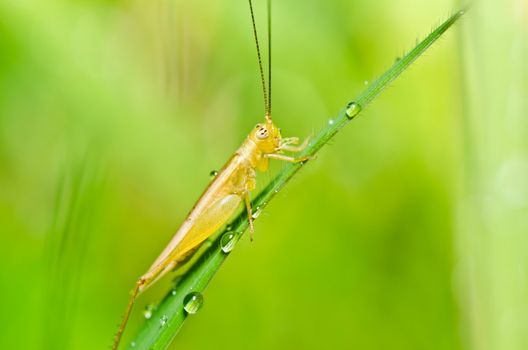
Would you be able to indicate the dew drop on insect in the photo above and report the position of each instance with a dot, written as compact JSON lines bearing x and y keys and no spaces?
{"x":163,"y":320}
{"x":213,"y":174}
{"x":149,"y":309}
{"x":352,"y":110}
{"x":192,"y":302}
{"x":228,"y":241}
{"x":331,"y":122}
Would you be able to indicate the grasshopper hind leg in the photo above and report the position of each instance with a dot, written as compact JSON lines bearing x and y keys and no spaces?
{"x":143,"y":282}
{"x":140,"y":283}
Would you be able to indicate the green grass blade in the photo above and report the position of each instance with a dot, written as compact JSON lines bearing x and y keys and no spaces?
{"x":158,"y":331}
{"x":402,"y":64}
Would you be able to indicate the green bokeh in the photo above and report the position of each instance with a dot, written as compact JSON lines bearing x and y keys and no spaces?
{"x":113,"y":114}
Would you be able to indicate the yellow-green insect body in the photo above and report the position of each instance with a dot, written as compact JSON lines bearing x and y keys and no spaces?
{"x":221,"y":198}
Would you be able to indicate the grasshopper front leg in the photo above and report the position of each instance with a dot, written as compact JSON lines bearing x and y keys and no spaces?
{"x":247,"y":200}
{"x":287,"y":144}
{"x":288,"y":158}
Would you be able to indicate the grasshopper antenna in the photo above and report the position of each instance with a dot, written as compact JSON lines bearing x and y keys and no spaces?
{"x":269,"y":60}
{"x":267,"y":102}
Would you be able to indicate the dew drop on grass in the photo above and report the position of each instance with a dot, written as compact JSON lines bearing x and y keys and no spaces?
{"x":331,"y":122}
{"x":256,"y":213}
{"x":366,"y":82}
{"x":352,"y":109}
{"x":213,"y":174}
{"x":163,"y":320}
{"x":228,"y":241}
{"x":149,"y":309}
{"x":173,"y":292}
{"x":133,"y":344}
{"x":192,"y":302}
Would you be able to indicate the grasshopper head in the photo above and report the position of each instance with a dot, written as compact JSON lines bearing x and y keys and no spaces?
{"x":266,"y":136}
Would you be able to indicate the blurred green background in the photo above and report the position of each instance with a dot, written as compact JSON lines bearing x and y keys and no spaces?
{"x":407,"y":232}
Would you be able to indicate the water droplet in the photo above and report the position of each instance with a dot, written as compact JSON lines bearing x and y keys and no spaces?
{"x":213,"y":174}
{"x":256,"y":213}
{"x":331,"y":122}
{"x":173,"y":292}
{"x":352,"y":110}
{"x":149,"y":309}
{"x":228,"y":241}
{"x":133,"y":344}
{"x":397,"y":59}
{"x":366,"y":82}
{"x":163,"y":320}
{"x":192,"y":302}
{"x":229,"y":228}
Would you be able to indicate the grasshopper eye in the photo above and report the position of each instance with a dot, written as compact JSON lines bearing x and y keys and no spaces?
{"x":262,"y":133}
